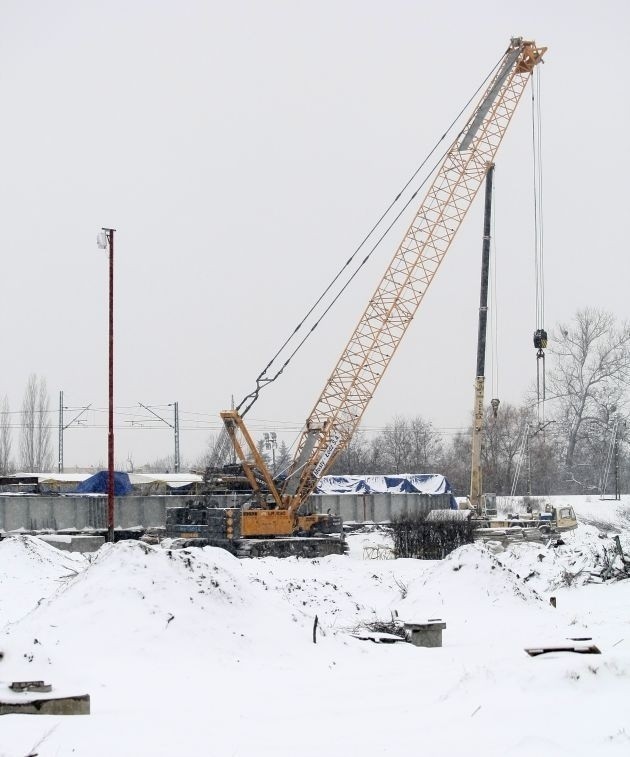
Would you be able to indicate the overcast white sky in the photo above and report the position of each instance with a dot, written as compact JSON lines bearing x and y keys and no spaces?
{"x":241,"y":150}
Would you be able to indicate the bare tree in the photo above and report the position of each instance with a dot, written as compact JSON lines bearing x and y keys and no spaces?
{"x":219,"y":452}
{"x":588,"y":383}
{"x":35,"y":444}
{"x":409,"y":446}
{"x":6,"y":441}
{"x":396,"y":445}
{"x":426,"y":445}
{"x":354,"y":459}
{"x":455,"y":464}
{"x":164,"y":464}
{"x":544,"y":464}
{"x":501,"y":441}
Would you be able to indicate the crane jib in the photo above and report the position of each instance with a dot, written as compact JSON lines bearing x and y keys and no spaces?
{"x":371,"y":346}
{"x":374,"y":341}
{"x":486,"y":104}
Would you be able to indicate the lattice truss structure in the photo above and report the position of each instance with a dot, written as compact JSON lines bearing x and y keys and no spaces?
{"x":393,"y":305}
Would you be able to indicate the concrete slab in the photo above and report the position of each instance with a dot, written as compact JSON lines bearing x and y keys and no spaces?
{"x":72,"y":705}
{"x":68,"y":543}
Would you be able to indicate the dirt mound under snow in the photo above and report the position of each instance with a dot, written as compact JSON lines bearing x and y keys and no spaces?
{"x":145,"y":604}
{"x":37,"y":568}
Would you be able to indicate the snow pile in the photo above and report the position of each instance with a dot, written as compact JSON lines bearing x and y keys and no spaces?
{"x":606,"y":514}
{"x":575,"y":561}
{"x":132,"y":601}
{"x":193,"y":652}
{"x":342,"y":593}
{"x":30,"y":570}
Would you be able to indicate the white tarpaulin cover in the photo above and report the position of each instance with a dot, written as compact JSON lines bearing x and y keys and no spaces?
{"x":425,"y":483}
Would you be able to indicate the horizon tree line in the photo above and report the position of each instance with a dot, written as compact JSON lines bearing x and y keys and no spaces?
{"x":584,"y":429}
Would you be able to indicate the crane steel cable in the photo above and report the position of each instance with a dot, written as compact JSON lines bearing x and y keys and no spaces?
{"x":494,"y":306}
{"x":254,"y":395}
{"x":538,"y":202}
{"x":519,"y":459}
{"x":263,"y":379}
{"x":540,"y":335}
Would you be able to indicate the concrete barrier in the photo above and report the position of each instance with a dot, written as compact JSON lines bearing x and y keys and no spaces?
{"x":82,"y":513}
{"x":377,"y":508}
{"x":33,"y":512}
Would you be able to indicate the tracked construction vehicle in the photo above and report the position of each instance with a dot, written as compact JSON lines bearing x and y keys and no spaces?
{"x":532,"y":525}
{"x":274,"y":519}
{"x":529,"y":526}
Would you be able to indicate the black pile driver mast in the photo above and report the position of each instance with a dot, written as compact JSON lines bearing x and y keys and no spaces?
{"x":480,"y":376}
{"x":391,"y":308}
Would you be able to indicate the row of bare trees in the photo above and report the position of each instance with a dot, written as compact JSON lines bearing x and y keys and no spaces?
{"x":562,"y":446}
{"x":35,"y":447}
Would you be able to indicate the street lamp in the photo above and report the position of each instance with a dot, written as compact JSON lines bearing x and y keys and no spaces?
{"x":270,"y":444}
{"x":105,"y":241}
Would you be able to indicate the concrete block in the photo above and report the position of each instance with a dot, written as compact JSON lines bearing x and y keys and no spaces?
{"x":426,"y":634}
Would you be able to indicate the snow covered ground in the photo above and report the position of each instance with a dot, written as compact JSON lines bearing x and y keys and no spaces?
{"x":194,"y":652}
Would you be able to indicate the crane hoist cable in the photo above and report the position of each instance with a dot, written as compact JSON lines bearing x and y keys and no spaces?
{"x":494,"y":310}
{"x":540,"y":334}
{"x":263,"y":378}
{"x":521,"y":454}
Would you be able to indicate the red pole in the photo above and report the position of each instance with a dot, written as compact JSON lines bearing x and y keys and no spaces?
{"x":110,"y":433}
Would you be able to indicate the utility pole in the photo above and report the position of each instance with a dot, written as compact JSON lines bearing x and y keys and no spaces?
{"x":60,"y":443}
{"x":63,"y":427}
{"x":176,"y":432}
{"x":612,"y":456}
{"x":617,"y":494}
{"x":475,"y":468}
{"x":105,"y":241}
{"x":174,"y":426}
{"x":623,"y":437}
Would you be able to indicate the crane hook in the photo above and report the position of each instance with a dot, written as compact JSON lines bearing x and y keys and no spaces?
{"x":540,"y":343}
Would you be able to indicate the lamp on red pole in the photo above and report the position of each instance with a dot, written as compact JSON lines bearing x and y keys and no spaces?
{"x":105,"y":241}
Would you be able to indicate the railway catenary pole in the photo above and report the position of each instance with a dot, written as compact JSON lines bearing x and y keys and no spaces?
{"x":60,"y":442}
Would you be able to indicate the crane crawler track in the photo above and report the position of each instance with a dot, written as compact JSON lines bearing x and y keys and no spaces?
{"x":308,"y":547}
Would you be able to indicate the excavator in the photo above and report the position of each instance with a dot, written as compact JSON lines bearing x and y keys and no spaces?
{"x":276,"y":521}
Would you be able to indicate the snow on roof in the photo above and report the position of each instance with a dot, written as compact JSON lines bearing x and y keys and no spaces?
{"x":69,"y":477}
{"x":172,"y":479}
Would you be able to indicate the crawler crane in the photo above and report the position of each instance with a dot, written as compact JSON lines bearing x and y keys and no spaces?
{"x":276,"y":516}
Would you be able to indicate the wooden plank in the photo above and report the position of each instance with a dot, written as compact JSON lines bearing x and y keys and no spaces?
{"x":578,"y":648}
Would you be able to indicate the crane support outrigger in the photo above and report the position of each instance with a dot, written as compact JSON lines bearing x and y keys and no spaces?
{"x":390,"y":310}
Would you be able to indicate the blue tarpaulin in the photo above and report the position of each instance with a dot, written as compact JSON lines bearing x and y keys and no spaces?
{"x":424,"y":483}
{"x":97,"y":484}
